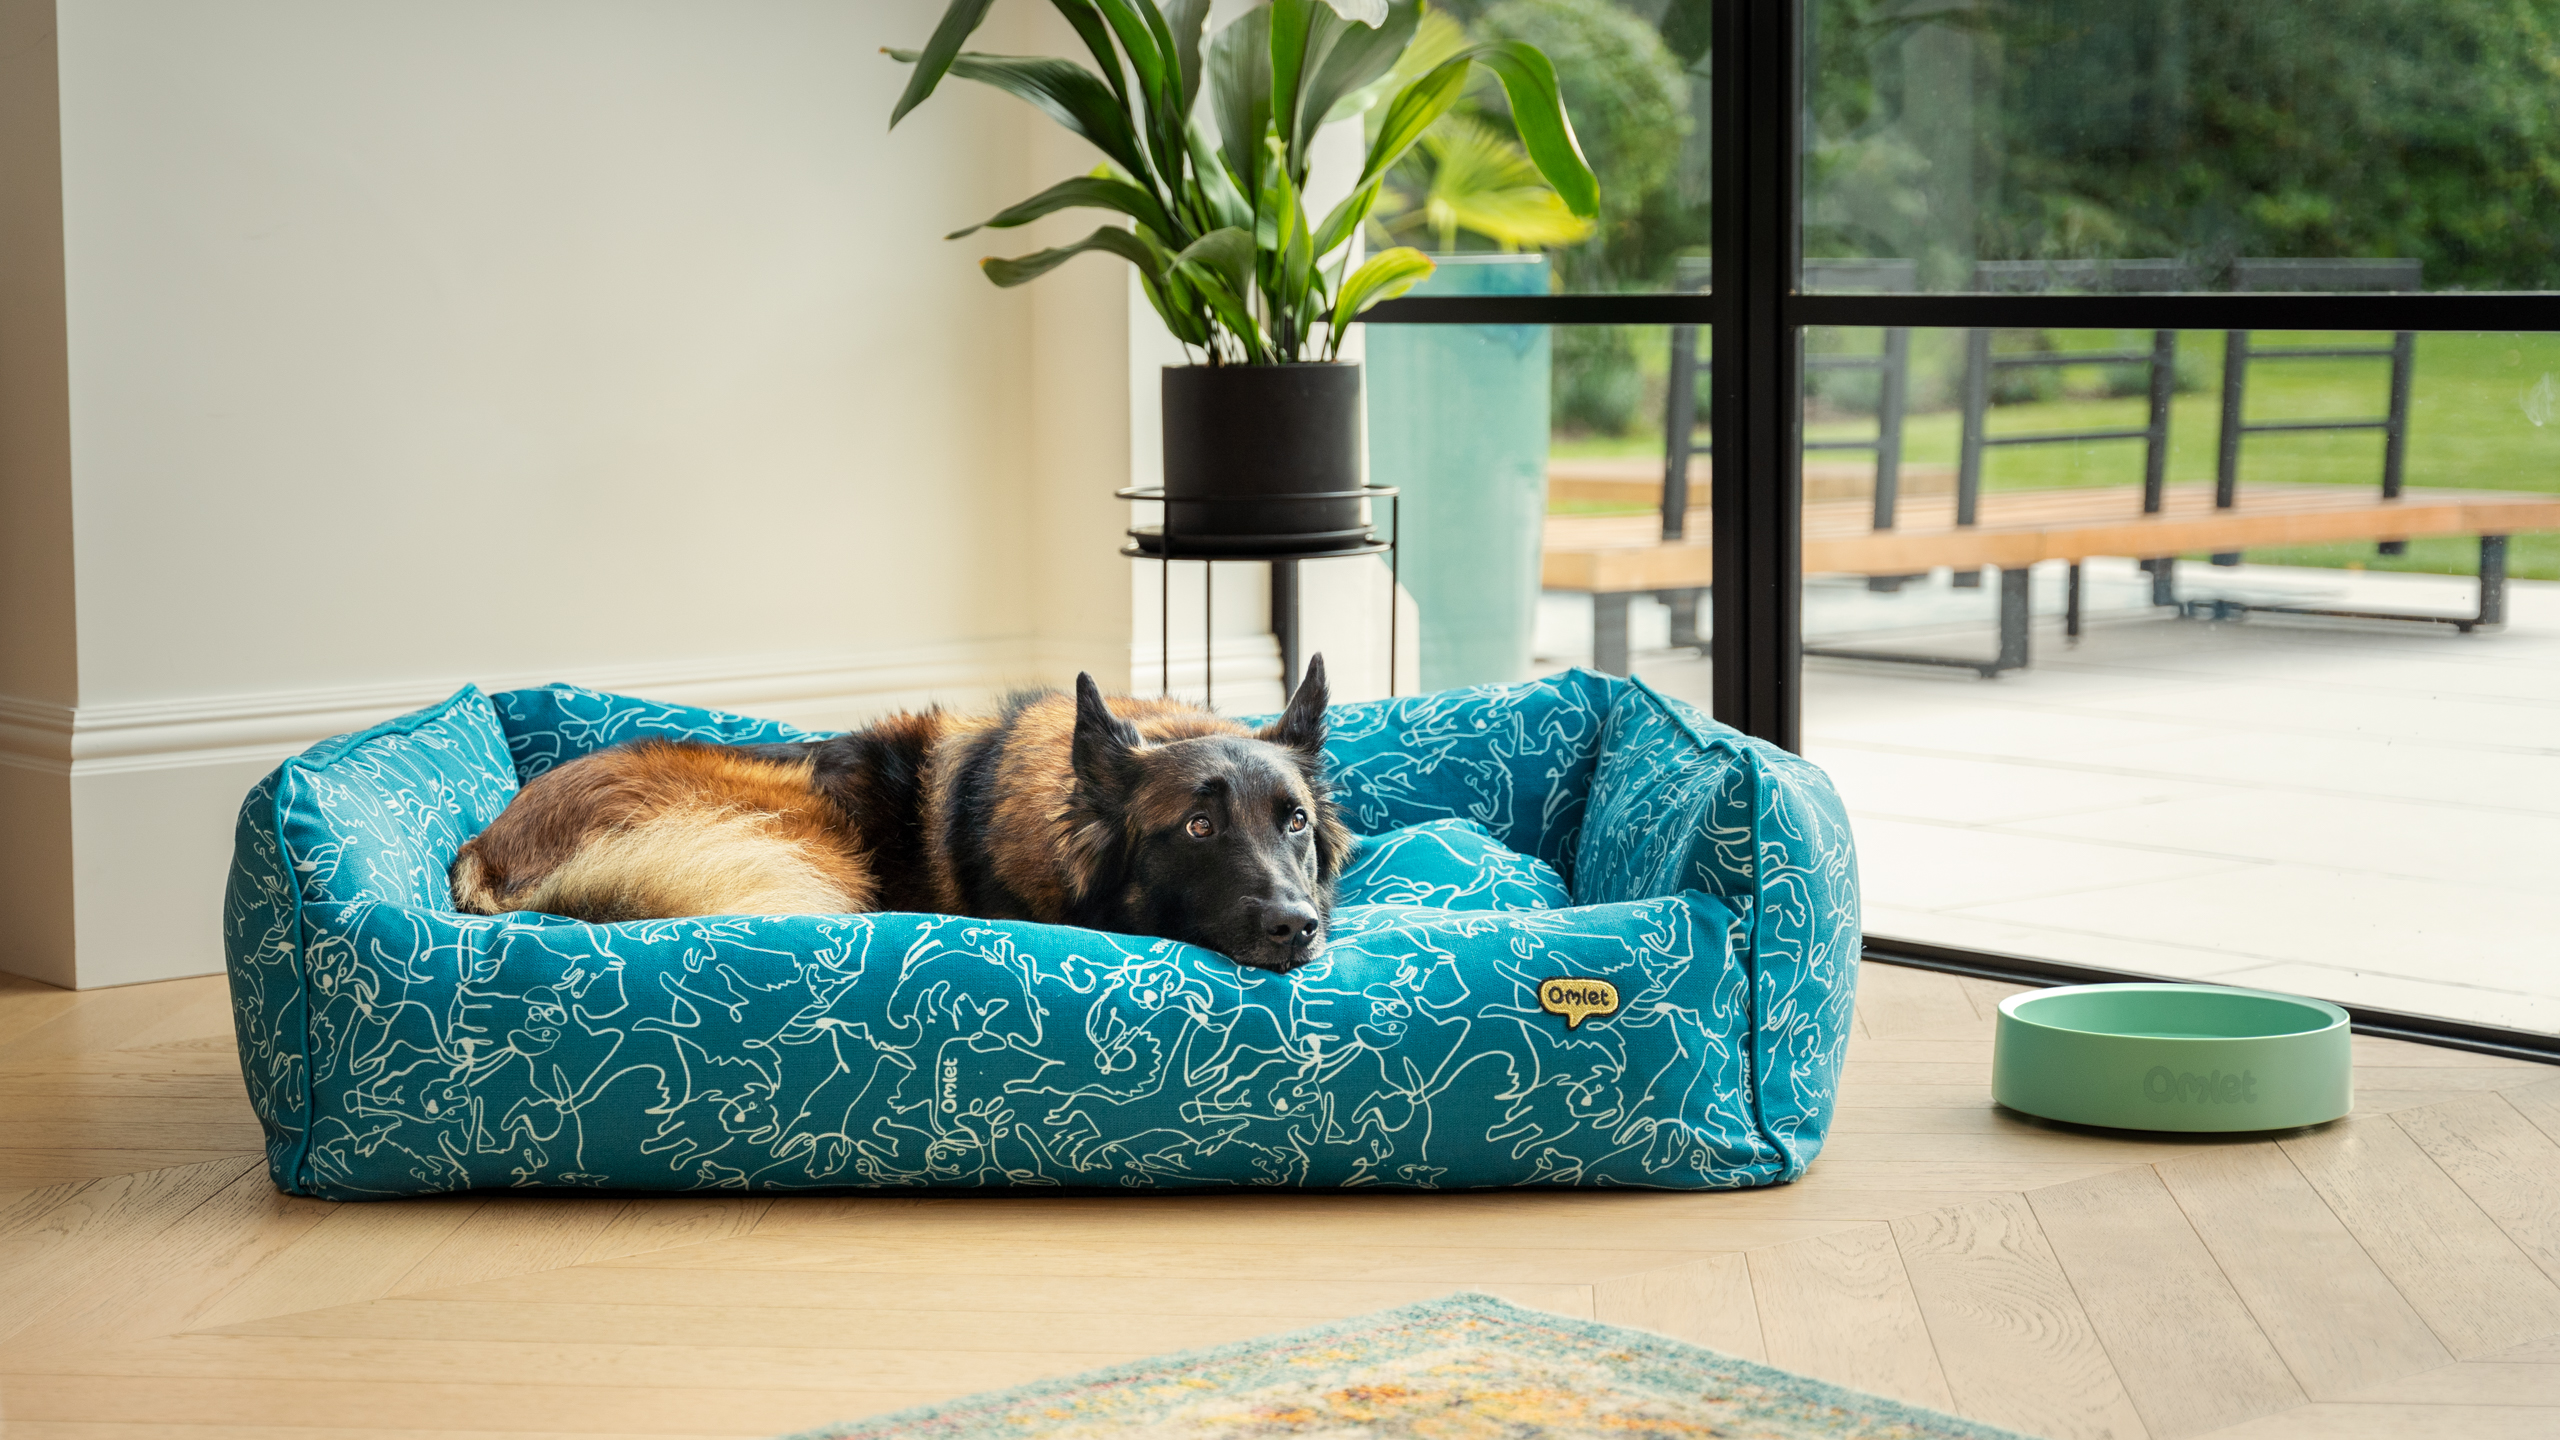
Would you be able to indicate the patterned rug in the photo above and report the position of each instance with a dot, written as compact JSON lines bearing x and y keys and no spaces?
{"x":1461,"y":1368}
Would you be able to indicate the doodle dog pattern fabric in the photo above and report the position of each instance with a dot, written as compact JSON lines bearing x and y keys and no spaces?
{"x":1590,"y":938}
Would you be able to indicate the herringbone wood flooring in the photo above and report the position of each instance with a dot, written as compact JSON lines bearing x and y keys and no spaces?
{"x":2397,"y":1273}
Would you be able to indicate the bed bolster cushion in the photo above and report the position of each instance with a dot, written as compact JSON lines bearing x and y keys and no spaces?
{"x":1449,"y":865}
{"x":1679,"y":802}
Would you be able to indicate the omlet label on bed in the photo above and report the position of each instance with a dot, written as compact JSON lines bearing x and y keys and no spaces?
{"x":2162,"y":1085}
{"x":1577,"y":1000}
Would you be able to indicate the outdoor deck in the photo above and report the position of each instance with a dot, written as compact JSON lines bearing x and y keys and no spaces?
{"x":2364,"y":811}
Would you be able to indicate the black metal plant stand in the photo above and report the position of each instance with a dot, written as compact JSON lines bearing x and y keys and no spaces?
{"x":1163,"y":542}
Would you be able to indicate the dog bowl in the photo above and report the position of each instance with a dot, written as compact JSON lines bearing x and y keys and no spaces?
{"x":2173,"y":1057}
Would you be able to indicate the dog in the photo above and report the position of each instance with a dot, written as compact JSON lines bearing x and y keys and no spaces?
{"x":1149,"y":817}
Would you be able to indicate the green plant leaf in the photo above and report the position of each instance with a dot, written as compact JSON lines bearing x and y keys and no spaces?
{"x":1123,"y":243}
{"x":1294,"y":25}
{"x":1084,"y":191}
{"x":1388,"y":274}
{"x":1232,"y":249}
{"x":1291,"y":268}
{"x":1226,"y":201}
{"x":1537,"y":112}
{"x":1179,"y":304}
{"x":1174,"y":113}
{"x":1532,"y":218}
{"x":1362,"y":54}
{"x":1149,"y":41}
{"x":1228,"y":252}
{"x":1415,"y":109}
{"x":1436,"y":41}
{"x":1271,"y":213}
{"x":1061,"y":89}
{"x":1088,"y":24}
{"x":958,"y":24}
{"x":1145,"y":46}
{"x":1480,"y":181}
{"x":1305,"y":35}
{"x":1240,"y":96}
{"x":1227,"y":303}
{"x":1346,"y":217}
{"x":1186,"y":19}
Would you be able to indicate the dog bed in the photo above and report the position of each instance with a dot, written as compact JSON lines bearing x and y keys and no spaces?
{"x":1590,"y":937}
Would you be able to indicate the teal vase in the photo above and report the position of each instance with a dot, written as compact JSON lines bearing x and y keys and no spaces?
{"x":1458,"y":422}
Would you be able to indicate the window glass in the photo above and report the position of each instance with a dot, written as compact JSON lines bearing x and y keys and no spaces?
{"x":2210,"y":751}
{"x":2090,"y":145}
{"x":1531,"y":461}
{"x":2235,"y":770}
{"x":1634,"y":77}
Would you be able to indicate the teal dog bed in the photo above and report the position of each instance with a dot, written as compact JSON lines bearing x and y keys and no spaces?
{"x":1589,"y":937}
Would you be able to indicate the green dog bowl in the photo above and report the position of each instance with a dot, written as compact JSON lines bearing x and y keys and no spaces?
{"x":2173,"y":1057}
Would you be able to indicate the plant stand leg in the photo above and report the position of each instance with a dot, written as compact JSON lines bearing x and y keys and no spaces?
{"x":1284,"y":622}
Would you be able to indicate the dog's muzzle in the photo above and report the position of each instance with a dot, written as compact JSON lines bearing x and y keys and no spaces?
{"x":1287,"y":934}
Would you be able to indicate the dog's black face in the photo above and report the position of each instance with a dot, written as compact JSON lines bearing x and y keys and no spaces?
{"x":1231,"y":840}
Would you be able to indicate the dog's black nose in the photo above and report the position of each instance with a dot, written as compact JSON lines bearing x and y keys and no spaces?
{"x":1289,"y":922}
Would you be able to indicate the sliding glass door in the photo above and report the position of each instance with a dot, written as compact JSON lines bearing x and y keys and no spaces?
{"x":2124,"y":448}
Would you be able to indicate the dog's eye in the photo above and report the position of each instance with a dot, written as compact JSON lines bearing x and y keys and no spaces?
{"x":1199,"y":828}
{"x":1297,"y":821}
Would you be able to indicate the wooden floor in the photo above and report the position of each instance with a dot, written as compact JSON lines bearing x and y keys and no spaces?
{"x":2393,"y":1274}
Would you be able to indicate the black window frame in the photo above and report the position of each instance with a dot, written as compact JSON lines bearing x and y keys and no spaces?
{"x":1756,"y":100}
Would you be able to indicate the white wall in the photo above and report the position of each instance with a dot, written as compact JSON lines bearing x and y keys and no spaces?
{"x":397,"y":345}
{"x":487,"y":338}
{"x":351,"y":351}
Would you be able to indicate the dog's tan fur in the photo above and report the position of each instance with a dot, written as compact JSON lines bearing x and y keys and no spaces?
{"x":659,"y":829}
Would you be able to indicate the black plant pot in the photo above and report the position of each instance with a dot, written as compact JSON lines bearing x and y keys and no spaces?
{"x":1262,"y":459}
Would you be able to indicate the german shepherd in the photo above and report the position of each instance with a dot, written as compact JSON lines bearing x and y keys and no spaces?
{"x":1150,"y":817}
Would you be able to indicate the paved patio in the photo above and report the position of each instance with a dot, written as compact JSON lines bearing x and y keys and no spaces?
{"x":2365,"y":812}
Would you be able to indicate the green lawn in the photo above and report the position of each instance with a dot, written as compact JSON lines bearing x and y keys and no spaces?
{"x":2469,"y":428}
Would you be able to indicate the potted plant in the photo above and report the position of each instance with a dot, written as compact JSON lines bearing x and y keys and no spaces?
{"x":1218,"y":227}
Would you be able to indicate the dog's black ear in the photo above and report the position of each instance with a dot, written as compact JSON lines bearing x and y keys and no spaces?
{"x":1104,"y":742}
{"x":1301,"y":726}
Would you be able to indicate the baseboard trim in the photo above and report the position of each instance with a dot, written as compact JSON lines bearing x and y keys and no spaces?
{"x":823,"y":690}
{"x":35,"y":735}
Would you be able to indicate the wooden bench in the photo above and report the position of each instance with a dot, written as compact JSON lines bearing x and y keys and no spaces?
{"x":1615,"y":557}
{"x":1637,"y":480}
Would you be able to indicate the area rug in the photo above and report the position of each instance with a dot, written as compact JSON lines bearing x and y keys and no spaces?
{"x":1462,"y":1368}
